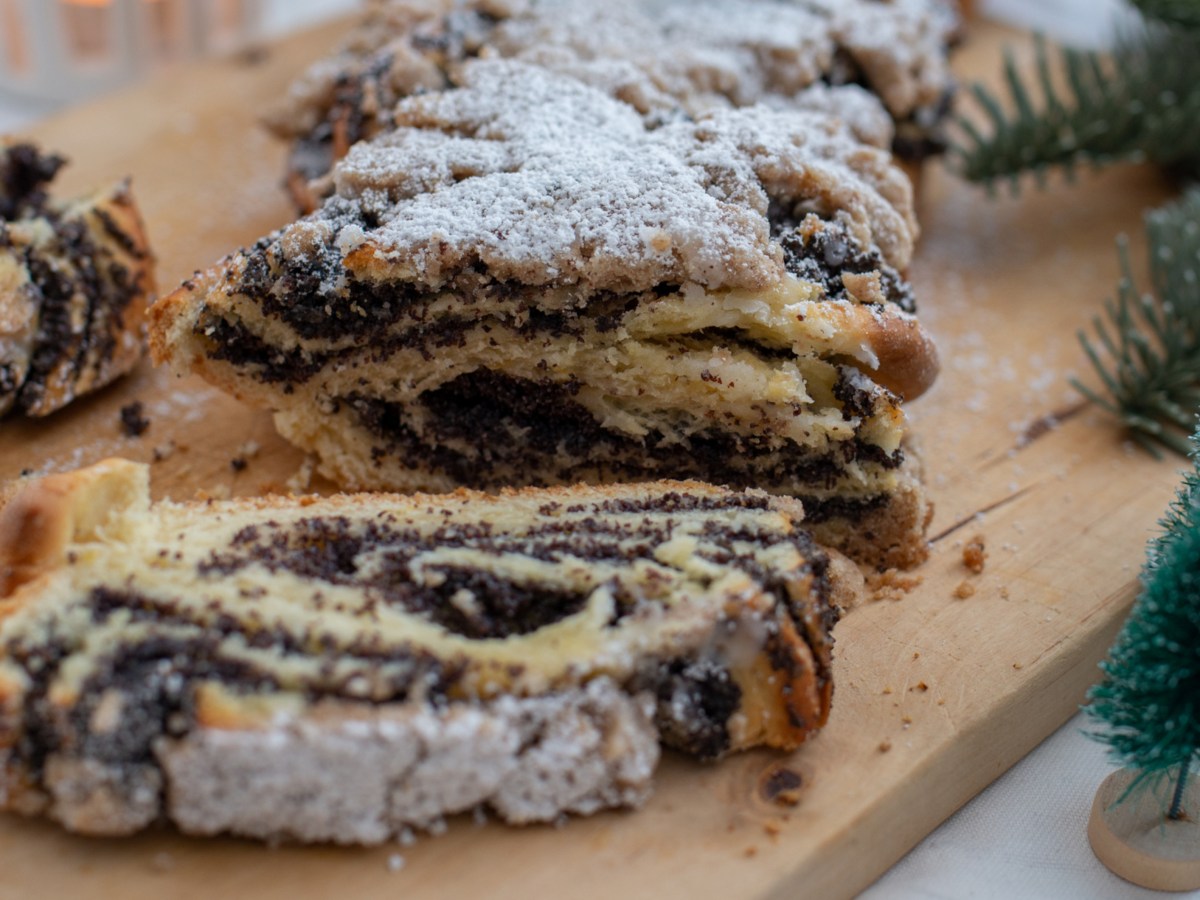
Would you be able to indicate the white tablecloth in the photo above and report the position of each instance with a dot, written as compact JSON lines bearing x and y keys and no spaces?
{"x":1025,"y":836}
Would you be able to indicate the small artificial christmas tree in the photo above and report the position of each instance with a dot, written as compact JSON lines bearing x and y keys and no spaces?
{"x":1149,"y":700}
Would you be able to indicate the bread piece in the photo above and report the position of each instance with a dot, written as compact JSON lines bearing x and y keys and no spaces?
{"x":75,"y":279}
{"x":340,"y":669}
{"x":525,"y":284}
{"x":868,"y":62}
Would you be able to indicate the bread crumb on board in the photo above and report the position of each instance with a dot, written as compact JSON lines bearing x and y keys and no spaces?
{"x":964,"y":590}
{"x":974,"y":554}
{"x":165,"y":451}
{"x":891,"y":584}
{"x":302,"y":480}
{"x":133,"y":421}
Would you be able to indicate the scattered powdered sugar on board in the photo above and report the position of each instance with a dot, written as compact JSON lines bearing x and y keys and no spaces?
{"x":543,"y":179}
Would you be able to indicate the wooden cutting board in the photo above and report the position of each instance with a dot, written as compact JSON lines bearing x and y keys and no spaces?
{"x":936,"y":694}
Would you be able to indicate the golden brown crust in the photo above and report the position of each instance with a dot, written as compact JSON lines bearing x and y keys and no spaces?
{"x":908,"y":359}
{"x":48,"y":514}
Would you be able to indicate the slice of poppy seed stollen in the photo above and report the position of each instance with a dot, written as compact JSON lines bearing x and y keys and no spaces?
{"x":341,"y":669}
{"x":75,"y":279}
{"x":523,"y":284}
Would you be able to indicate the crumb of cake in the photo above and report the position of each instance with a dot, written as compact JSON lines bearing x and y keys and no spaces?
{"x":941,"y":701}
{"x":165,"y":451}
{"x":916,"y":654}
{"x":750,"y":852}
{"x":885,"y":745}
{"x":781,"y":785}
{"x":975,"y":554}
{"x":906,"y":720}
{"x":1004,"y":593}
{"x":965,"y":590}
{"x":238,"y":464}
{"x":920,"y":686}
{"x":891,"y":584}
{"x":133,"y":423}
{"x":1018,"y":665}
{"x":772,"y":828}
{"x":888,"y":689}
{"x":302,"y":480}
{"x":249,"y":449}
{"x":218,"y":492}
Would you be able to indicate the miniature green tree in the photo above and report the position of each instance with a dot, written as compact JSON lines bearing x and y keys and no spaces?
{"x":1149,"y":698}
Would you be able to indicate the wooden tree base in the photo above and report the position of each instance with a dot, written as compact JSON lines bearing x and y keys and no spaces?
{"x":1136,"y":840}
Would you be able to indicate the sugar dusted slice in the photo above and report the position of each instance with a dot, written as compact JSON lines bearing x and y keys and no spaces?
{"x":342,"y":669}
{"x":75,"y":279}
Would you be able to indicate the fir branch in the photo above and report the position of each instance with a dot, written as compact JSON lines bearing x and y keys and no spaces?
{"x":1146,"y":347}
{"x":1140,"y":103}
{"x":1185,"y":13}
{"x":1150,"y":695}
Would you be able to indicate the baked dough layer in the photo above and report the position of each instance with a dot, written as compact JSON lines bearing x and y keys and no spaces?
{"x":526,"y":284}
{"x":154,"y":654}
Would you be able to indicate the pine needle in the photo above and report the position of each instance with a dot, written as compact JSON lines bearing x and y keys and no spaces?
{"x":1146,"y":346}
{"x":1140,"y":103}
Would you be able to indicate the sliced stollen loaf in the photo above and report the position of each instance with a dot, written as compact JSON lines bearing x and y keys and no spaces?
{"x":523,"y":284}
{"x":881,"y":67}
{"x":340,"y":669}
{"x":75,"y":279}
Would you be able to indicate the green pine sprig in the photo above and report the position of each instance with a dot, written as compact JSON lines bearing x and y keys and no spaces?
{"x":1141,"y":103}
{"x":1149,"y":699}
{"x":1146,"y":346}
{"x":1185,"y":13}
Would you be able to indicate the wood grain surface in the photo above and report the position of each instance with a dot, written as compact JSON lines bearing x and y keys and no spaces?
{"x":937,"y":693}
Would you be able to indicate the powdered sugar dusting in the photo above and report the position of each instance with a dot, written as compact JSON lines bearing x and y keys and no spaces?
{"x":661,"y":56}
{"x":543,"y":179}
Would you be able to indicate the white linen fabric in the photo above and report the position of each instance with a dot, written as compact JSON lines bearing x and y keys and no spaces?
{"x":1024,"y":837}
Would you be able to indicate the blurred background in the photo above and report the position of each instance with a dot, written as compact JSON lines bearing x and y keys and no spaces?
{"x":56,"y":52}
